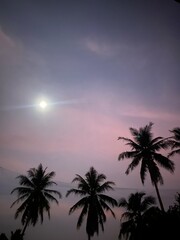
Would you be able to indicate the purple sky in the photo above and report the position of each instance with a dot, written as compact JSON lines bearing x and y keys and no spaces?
{"x":116,"y":62}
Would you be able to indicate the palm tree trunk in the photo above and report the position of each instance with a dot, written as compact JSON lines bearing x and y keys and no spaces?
{"x":159,"y":197}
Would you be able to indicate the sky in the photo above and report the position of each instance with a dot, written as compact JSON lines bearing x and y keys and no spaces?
{"x":104,"y":65}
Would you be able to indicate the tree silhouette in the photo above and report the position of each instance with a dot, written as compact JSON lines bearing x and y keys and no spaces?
{"x":35,"y":195}
{"x":175,"y":208}
{"x":16,"y":235}
{"x":175,"y":143}
{"x":93,"y":202}
{"x":145,"y":150}
{"x":136,"y":208}
{"x":3,"y":236}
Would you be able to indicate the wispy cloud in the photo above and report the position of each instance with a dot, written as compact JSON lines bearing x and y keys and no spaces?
{"x":102,"y":48}
{"x":6,"y":41}
{"x":10,"y":49}
{"x":150,"y":114}
{"x":13,"y":51}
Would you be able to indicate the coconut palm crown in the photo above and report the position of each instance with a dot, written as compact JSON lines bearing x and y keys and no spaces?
{"x":175,"y":143}
{"x":35,"y":195}
{"x":145,"y":150}
{"x":136,"y":207}
{"x":93,"y":202}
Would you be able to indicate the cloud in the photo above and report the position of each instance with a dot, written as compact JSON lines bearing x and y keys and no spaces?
{"x":102,"y":48}
{"x":5,"y":41}
{"x":143,"y":112}
{"x":10,"y":49}
{"x":13,"y":51}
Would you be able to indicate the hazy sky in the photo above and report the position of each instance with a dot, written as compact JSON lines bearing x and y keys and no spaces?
{"x":107,"y":64}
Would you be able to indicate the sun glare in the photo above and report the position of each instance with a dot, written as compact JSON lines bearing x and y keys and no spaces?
{"x":43,"y":104}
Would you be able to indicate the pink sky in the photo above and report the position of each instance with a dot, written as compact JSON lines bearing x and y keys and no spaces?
{"x":119,"y":64}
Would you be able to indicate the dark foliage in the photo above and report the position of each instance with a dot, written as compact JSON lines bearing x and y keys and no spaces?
{"x":16,"y":235}
{"x":3,"y":236}
{"x":175,"y":141}
{"x":154,"y":224}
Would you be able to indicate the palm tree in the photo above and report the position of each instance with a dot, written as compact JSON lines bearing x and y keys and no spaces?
{"x":93,"y":201}
{"x":136,"y":208}
{"x":35,"y":195}
{"x":175,"y":143}
{"x":145,"y":149}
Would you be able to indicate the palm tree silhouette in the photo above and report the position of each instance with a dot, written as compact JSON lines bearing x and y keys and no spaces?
{"x":93,"y":202}
{"x":145,"y":149}
{"x":175,"y":143}
{"x":136,"y":207}
{"x":35,"y":195}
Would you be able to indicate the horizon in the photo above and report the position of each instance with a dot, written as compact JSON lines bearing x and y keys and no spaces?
{"x":142,"y":187}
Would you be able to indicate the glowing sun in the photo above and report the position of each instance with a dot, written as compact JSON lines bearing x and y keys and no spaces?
{"x":43,"y":104}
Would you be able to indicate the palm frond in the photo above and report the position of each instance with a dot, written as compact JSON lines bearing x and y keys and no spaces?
{"x":163,"y":143}
{"x":53,"y":192}
{"x":50,"y":197}
{"x":123,"y":203}
{"x":164,"y":162}
{"x":129,"y":142}
{"x":127,"y":215}
{"x":127,"y":154}
{"x":76,"y":192}
{"x":176,"y":132}
{"x":100,"y":178}
{"x":126,"y":229}
{"x":107,"y":208}
{"x":155,"y":140}
{"x":105,"y":187}
{"x":82,"y":215}
{"x":81,"y":182}
{"x":175,"y":143}
{"x":23,"y":206}
{"x":21,"y":198}
{"x":22,"y":190}
{"x":172,"y":153}
{"x":134,"y":132}
{"x":147,"y":202}
{"x":133,"y":164}
{"x":108,"y":199}
{"x":78,"y":205}
{"x":25,"y":181}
